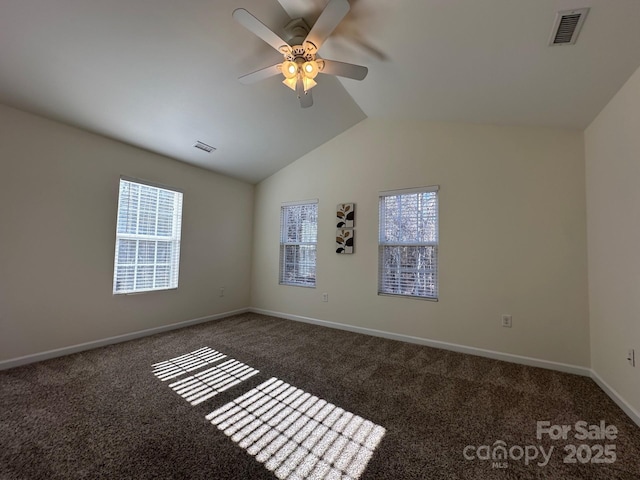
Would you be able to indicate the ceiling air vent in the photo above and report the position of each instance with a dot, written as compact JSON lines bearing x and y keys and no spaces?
{"x":567,"y":26}
{"x":204,"y":146}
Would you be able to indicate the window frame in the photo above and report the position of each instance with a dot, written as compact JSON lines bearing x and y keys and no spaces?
{"x":434,"y":244}
{"x":173,"y":263}
{"x":287,"y":243}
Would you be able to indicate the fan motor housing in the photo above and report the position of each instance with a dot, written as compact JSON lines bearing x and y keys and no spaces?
{"x":298,"y":54}
{"x":296,"y":31}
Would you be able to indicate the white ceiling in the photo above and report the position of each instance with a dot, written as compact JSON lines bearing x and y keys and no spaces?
{"x":161,"y":74}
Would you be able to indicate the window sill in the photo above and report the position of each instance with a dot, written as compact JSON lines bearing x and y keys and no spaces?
{"x":296,"y":285}
{"x":428,"y":299}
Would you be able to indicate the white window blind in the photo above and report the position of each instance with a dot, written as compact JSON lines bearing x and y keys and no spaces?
{"x":298,"y":243}
{"x":408,"y":243}
{"x":147,"y":238}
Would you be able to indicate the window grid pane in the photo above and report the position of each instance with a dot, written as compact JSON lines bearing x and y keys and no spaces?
{"x":298,"y":241}
{"x":408,"y":244}
{"x":147,"y":238}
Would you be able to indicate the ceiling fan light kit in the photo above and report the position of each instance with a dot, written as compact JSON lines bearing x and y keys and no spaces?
{"x":301,"y":66}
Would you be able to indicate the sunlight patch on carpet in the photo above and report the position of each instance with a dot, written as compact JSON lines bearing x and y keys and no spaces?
{"x":210,"y":382}
{"x":297,"y":435}
{"x":186,"y":363}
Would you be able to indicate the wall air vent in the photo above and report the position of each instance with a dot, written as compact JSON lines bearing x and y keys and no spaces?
{"x":567,"y":26}
{"x":204,"y":146}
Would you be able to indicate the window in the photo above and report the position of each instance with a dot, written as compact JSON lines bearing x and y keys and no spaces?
{"x":408,"y":243}
{"x":147,"y":238}
{"x":298,"y":240}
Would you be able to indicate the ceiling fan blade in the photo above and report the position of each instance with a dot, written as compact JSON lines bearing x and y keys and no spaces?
{"x":328,"y":20}
{"x":341,"y":69}
{"x":306,"y":99}
{"x":261,"y":74}
{"x":258,"y":28}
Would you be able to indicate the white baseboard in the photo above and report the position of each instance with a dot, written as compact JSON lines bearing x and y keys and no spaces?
{"x":59,"y":352}
{"x":507,"y":357}
{"x":617,"y":398}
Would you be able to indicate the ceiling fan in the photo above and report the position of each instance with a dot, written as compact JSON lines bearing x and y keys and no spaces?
{"x":301,"y":63}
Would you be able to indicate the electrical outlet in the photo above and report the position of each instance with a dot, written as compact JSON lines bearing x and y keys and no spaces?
{"x":506,"y":321}
{"x":325,"y":297}
{"x":631,"y":357}
{"x":221,"y":294}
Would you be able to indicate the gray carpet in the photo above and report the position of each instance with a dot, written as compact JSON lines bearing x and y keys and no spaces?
{"x":104,"y":414}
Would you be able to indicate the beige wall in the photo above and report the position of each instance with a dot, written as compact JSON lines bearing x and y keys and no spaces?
{"x":58,"y":201}
{"x":512,"y":233}
{"x":612,"y":149}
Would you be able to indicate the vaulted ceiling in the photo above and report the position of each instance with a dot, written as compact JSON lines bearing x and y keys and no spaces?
{"x":161,"y":74}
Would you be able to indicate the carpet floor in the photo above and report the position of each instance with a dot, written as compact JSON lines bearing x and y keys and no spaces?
{"x":265,"y":398}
